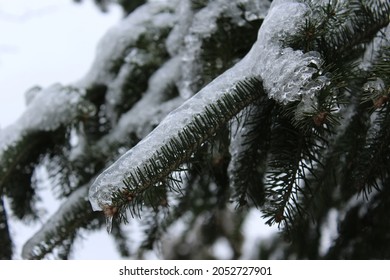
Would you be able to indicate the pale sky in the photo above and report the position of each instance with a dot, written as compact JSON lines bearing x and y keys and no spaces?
{"x":43,"y":42}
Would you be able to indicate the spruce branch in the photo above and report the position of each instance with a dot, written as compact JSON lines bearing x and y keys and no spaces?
{"x":38,"y":131}
{"x":73,"y":214}
{"x":130,"y":34}
{"x":146,"y":178}
{"x":341,"y":28}
{"x":248,"y":148}
{"x":373,"y":168}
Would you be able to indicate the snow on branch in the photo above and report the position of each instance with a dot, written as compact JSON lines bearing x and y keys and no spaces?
{"x":115,"y":45}
{"x":65,"y":220}
{"x":47,"y":110}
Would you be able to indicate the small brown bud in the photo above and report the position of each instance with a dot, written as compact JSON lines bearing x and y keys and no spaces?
{"x":380,"y":101}
{"x":279,"y":217}
{"x":109,"y":211}
{"x":320,"y":118}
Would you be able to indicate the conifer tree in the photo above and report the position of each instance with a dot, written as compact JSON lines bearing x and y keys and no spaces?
{"x":195,"y":114}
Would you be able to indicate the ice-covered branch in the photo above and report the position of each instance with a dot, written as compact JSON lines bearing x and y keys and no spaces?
{"x":285,"y":73}
{"x":177,"y":137}
{"x":71,"y":215}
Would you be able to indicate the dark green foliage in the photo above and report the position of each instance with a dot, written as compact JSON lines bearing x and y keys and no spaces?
{"x":226,"y":46}
{"x":223,"y":46}
{"x":339,"y":29}
{"x":130,"y":5}
{"x":365,"y":228}
{"x":198,"y":4}
{"x":252,"y":159}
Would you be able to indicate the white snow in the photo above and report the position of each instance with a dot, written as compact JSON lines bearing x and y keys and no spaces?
{"x":373,"y":48}
{"x":47,"y":110}
{"x":113,"y":46}
{"x":203,"y":25}
{"x":175,"y":40}
{"x":222,"y":249}
{"x":329,"y":231}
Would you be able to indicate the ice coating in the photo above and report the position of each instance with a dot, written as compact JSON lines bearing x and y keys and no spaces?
{"x":374,"y":86}
{"x":286,"y":74}
{"x":57,"y":220}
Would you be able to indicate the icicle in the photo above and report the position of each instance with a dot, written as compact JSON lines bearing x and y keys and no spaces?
{"x":109,"y":212}
{"x":109,"y":223}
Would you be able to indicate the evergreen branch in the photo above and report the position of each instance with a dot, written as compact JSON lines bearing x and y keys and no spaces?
{"x":170,"y":154}
{"x":373,"y":166}
{"x":158,"y":100}
{"x":370,"y":215}
{"x":139,"y":62}
{"x":72,"y":215}
{"x":117,"y":186}
{"x":370,"y":20}
{"x":156,"y":94}
{"x":49,"y":109}
{"x":180,"y":149}
{"x":248,"y":149}
{"x":381,"y":65}
{"x":36,"y":132}
{"x":338,"y":28}
{"x":295,"y":156}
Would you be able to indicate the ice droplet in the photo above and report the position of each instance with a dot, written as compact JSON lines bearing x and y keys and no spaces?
{"x":374,"y":86}
{"x":109,"y":223}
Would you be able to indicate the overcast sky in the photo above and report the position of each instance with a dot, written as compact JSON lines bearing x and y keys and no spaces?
{"x":44,"y":42}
